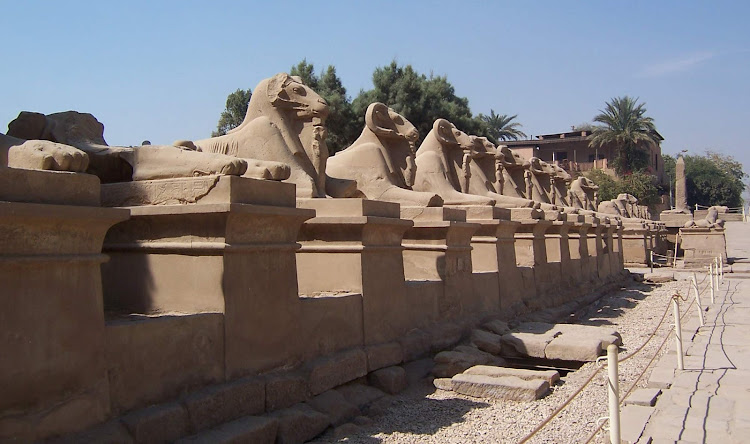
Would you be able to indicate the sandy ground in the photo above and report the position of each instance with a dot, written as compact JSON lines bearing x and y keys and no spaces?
{"x":423,"y":414}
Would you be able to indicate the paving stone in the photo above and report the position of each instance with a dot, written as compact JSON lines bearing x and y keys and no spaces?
{"x":644,"y":397}
{"x":250,"y":429}
{"x":391,"y":380}
{"x":333,"y":404}
{"x":633,"y":420}
{"x":384,"y":355}
{"x":221,"y":403}
{"x":359,"y":394}
{"x":503,"y":387}
{"x":158,"y":423}
{"x":418,"y":370}
{"x":415,"y":345}
{"x":551,"y":376}
{"x":443,"y":383}
{"x":332,"y":371}
{"x":285,"y":390}
{"x":497,"y":326}
{"x":661,"y":377}
{"x":487,"y":341}
{"x":299,"y":423}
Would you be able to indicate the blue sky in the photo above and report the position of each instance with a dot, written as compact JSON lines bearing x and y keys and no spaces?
{"x":161,"y":70}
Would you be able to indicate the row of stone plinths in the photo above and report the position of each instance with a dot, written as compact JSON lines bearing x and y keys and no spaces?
{"x":215,"y":278}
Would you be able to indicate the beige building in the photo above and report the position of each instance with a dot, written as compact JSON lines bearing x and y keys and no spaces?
{"x":572,"y":152}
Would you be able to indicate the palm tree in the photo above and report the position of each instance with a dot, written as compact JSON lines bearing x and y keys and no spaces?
{"x":625,"y":126}
{"x":502,"y":127}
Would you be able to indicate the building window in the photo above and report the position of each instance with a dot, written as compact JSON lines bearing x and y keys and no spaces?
{"x":561,"y":155}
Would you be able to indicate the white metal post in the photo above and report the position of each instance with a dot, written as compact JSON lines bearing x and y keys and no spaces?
{"x":677,"y":331}
{"x":721,"y":268}
{"x":694,"y":285}
{"x":614,"y":394}
{"x":711,"y":275}
{"x":716,"y":273}
{"x":651,"y":261}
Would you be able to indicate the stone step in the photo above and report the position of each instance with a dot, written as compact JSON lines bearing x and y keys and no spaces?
{"x":502,"y":387}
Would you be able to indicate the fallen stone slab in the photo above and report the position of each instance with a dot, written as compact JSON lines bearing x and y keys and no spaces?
{"x":443,"y":384}
{"x":527,"y":344}
{"x":450,"y":363}
{"x":255,"y":429}
{"x":658,"y":278}
{"x":608,"y":335}
{"x":504,"y":387}
{"x":644,"y":397}
{"x":551,"y":376}
{"x":487,"y":341}
{"x":574,"y":348}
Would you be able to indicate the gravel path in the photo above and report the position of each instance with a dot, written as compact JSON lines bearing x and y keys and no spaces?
{"x":423,"y":414}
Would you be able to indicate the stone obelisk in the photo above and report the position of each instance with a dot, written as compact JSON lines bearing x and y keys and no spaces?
{"x":680,"y":190}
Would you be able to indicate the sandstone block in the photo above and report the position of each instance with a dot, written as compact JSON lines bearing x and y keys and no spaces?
{"x":497,"y":326}
{"x":332,"y":371}
{"x":391,"y":380}
{"x":250,"y":429}
{"x":486,"y":341}
{"x":383,"y":355}
{"x":360,"y":395}
{"x":529,"y":340}
{"x":333,"y":404}
{"x":299,"y":424}
{"x":450,"y":363}
{"x":112,"y":432}
{"x":285,"y":389}
{"x":417,"y":370}
{"x":445,"y":336}
{"x":380,"y":406}
{"x":219,"y":404}
{"x":487,"y":358}
{"x":503,"y":387}
{"x":443,"y":384}
{"x":551,"y":376}
{"x":415,"y":345}
{"x":158,"y":423}
{"x":345,"y":430}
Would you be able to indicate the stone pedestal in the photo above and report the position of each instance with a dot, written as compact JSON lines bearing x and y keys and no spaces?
{"x":531,"y":258}
{"x":635,"y":245}
{"x":228,"y":248}
{"x":604,"y":246}
{"x":438,"y":249}
{"x":53,"y":376}
{"x":702,"y":245}
{"x":579,"y":253}
{"x":354,"y":246}
{"x":674,"y":218}
{"x":594,"y":239}
{"x":614,"y":232}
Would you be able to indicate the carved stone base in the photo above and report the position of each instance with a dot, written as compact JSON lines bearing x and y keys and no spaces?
{"x":702,"y":245}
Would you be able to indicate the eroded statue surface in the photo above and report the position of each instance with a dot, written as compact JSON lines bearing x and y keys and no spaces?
{"x":381,"y":161}
{"x":284,"y":124}
{"x":112,"y":163}
{"x":41,"y":155}
{"x":711,"y":221}
{"x":583,"y":194}
{"x":443,"y":165}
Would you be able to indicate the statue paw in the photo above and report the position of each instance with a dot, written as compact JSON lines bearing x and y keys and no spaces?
{"x":45,"y":155}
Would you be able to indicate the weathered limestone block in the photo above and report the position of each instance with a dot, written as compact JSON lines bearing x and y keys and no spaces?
{"x":230,"y":255}
{"x":360,"y":395}
{"x":551,"y":376}
{"x":449,"y":363}
{"x":332,"y":322}
{"x":636,"y":251}
{"x":53,"y":376}
{"x":702,"y":245}
{"x":299,"y":423}
{"x":255,"y":429}
{"x":486,"y":341}
{"x":577,"y":348}
{"x":501,"y":387}
{"x":384,"y":355}
{"x":331,"y":371}
{"x":354,"y":245}
{"x":496,"y":326}
{"x":222,"y":403}
{"x":391,"y":380}
{"x":333,"y":404}
{"x":159,"y":423}
{"x":443,"y":384}
{"x":285,"y":389}
{"x":559,"y":341}
{"x":415,"y":344}
{"x":438,"y":248}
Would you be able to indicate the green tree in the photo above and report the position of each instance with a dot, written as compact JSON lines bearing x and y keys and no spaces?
{"x":341,"y":122}
{"x":640,"y":184}
{"x":234,"y":112}
{"x":711,"y":179}
{"x":624,"y":124}
{"x":501,"y":126}
{"x":608,"y":186}
{"x":419,"y":98}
